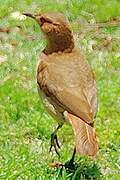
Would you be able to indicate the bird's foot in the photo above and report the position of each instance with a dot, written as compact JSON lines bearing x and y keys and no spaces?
{"x":70,"y":165}
{"x":56,"y":165}
{"x":54,"y":143}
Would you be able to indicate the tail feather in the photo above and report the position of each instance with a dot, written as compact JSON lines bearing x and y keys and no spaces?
{"x":85,"y":136}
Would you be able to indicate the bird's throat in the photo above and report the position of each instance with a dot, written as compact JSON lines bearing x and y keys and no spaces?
{"x":59,"y":44}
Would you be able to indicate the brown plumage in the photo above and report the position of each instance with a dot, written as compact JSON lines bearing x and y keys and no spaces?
{"x":66,"y":83}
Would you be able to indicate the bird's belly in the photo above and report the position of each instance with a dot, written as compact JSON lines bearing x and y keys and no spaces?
{"x":52,"y":108}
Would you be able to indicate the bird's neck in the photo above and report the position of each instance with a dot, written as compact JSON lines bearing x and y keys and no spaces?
{"x":61,"y":43}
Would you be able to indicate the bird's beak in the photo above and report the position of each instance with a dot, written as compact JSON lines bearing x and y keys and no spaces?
{"x":30,"y":15}
{"x":35,"y":17}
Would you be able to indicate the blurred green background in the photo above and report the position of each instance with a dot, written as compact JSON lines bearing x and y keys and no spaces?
{"x":25,"y":127}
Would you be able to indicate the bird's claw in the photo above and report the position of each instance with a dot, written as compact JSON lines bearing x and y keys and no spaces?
{"x":54,"y":143}
{"x":69,"y":165}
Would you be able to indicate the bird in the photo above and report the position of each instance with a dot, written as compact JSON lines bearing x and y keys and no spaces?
{"x":66,"y":83}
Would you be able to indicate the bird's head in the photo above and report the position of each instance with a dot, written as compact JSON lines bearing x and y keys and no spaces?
{"x":57,"y":30}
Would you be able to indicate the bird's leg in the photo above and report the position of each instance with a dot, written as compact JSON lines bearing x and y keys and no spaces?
{"x":73,"y":156}
{"x":70,"y":164}
{"x":54,"y":140}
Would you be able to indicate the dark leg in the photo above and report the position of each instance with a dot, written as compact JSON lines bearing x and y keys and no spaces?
{"x":73,"y":156}
{"x":70,"y":164}
{"x":54,"y":140}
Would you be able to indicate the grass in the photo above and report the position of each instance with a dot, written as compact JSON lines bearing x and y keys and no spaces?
{"x":25,"y":127}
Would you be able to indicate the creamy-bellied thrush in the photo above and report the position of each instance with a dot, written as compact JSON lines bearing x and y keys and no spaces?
{"x":66,"y":83}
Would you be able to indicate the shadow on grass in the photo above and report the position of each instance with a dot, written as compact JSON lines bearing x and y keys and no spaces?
{"x":83,"y":170}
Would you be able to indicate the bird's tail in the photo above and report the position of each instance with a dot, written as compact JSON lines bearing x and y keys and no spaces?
{"x":85,"y":136}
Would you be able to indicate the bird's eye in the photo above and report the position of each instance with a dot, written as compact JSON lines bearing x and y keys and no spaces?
{"x":43,"y":20}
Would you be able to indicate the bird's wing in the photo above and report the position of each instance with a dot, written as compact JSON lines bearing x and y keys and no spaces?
{"x":75,"y":101}
{"x":65,"y":85}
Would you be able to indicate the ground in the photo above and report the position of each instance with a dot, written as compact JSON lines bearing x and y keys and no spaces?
{"x":25,"y":127}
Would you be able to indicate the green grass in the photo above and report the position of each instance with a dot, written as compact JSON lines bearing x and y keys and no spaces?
{"x":25,"y":127}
